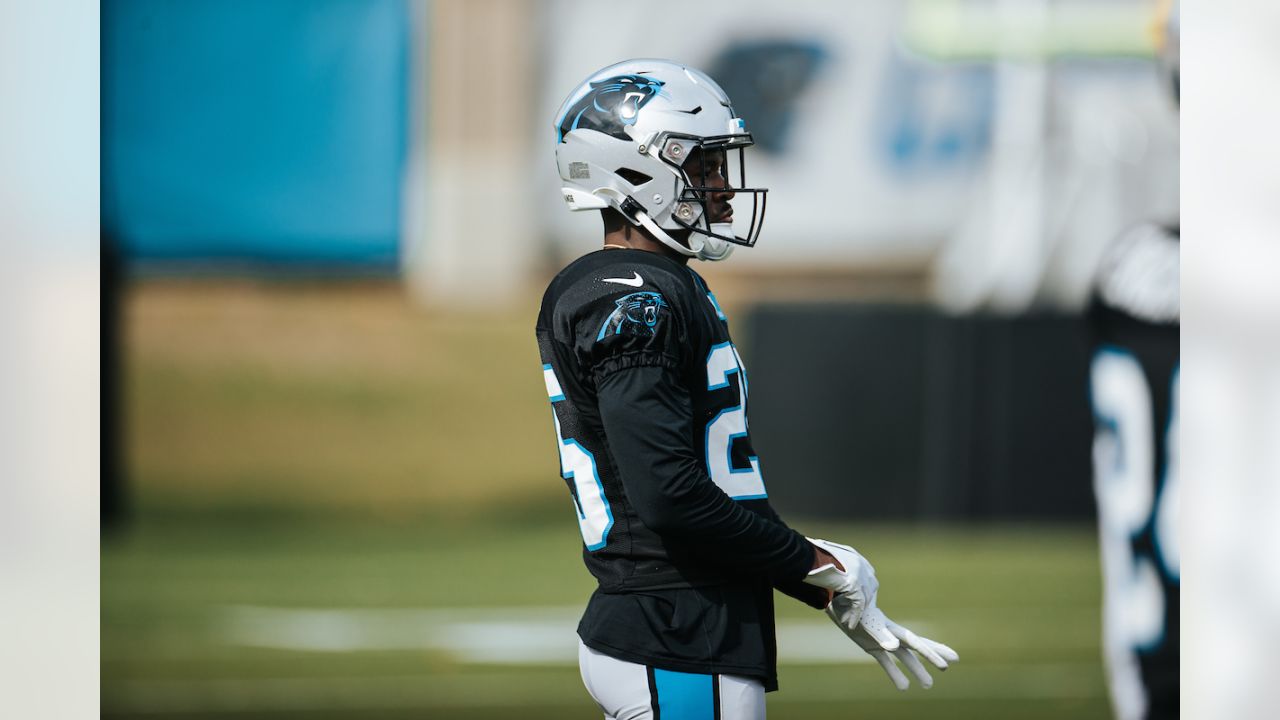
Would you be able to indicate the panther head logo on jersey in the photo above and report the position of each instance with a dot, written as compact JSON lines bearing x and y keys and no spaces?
{"x":636,"y":314}
{"x":610,"y":106}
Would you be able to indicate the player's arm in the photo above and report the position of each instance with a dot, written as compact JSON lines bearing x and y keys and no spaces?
{"x":814,"y":596}
{"x":648,"y":418}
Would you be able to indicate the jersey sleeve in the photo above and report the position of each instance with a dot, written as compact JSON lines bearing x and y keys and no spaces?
{"x":811,"y":595}
{"x":648,"y":418}
{"x":626,"y":328}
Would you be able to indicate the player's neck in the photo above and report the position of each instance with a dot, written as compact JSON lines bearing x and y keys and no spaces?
{"x":635,"y":238}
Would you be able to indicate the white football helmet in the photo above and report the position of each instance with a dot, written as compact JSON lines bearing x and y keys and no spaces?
{"x":622,"y":137}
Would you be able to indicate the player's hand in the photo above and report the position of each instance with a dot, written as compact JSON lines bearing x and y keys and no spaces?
{"x":883,"y":639}
{"x":851,"y":580}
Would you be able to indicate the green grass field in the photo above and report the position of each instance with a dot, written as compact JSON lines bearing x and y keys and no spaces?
{"x":1019,"y":604}
{"x":312,"y":537}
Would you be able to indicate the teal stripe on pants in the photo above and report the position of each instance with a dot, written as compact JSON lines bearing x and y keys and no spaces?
{"x":684,"y":696}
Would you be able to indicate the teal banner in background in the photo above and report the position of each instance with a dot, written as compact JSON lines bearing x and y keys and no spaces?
{"x":246,"y":132}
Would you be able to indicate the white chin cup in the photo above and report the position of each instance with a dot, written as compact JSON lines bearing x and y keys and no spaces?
{"x":714,"y":248}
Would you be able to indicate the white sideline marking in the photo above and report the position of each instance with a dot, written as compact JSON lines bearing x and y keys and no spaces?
{"x":522,"y":635}
{"x":511,"y":636}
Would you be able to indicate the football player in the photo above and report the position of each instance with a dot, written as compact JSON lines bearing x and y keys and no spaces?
{"x":1134,"y":391}
{"x":649,"y":400}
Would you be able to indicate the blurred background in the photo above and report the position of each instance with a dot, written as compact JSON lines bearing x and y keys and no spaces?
{"x":329,"y":483}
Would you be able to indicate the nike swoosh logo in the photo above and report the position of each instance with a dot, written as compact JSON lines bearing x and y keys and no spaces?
{"x":636,"y":281}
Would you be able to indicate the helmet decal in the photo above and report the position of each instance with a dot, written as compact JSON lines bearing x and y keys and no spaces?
{"x":609,"y":106}
{"x":636,"y":314}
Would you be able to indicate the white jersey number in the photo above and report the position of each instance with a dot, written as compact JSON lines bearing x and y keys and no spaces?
{"x":577,"y":464}
{"x":1128,"y":503}
{"x":1124,"y":468}
{"x":730,"y":424}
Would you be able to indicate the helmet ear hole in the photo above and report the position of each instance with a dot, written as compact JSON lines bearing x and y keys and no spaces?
{"x":634,"y":177}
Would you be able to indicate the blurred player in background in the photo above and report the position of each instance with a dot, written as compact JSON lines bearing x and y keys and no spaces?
{"x":1134,"y":389}
{"x":649,"y":398}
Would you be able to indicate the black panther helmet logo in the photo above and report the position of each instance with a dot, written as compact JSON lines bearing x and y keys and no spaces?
{"x":610,"y":106}
{"x":637,"y":314}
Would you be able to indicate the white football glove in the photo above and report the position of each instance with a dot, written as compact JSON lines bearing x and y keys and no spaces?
{"x":883,"y":639}
{"x":854,"y":587}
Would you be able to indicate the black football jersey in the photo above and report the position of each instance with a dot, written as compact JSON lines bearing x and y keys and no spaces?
{"x":649,"y":400}
{"x":1134,"y":391}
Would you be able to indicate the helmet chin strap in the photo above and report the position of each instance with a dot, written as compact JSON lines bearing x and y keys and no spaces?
{"x":700,"y":246}
{"x":711,"y":249}
{"x":661,"y":235}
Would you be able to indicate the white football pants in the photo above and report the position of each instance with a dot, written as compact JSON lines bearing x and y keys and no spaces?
{"x":627,"y":691}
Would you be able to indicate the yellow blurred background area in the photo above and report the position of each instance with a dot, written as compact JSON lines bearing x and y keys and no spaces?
{"x":335,"y":395}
